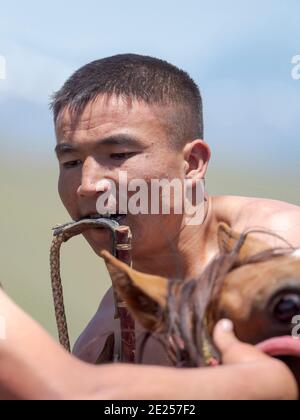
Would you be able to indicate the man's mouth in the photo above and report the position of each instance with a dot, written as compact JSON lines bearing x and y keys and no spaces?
{"x":281,"y":346}
{"x":117,"y":217}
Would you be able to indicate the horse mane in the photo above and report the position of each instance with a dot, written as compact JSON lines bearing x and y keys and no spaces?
{"x":187,"y":335}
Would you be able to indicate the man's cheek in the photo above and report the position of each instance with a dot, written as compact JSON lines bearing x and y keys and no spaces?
{"x":99,"y":239}
{"x":62,"y":190}
{"x":67,"y":195}
{"x":148,"y":168}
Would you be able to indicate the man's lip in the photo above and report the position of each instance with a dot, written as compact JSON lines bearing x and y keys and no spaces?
{"x":281,"y":346}
{"x":116,"y":216}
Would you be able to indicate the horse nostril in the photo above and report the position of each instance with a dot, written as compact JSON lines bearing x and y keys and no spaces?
{"x":287,"y":307}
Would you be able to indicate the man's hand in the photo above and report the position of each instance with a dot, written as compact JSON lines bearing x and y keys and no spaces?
{"x":32,"y":366}
{"x":271,"y":378}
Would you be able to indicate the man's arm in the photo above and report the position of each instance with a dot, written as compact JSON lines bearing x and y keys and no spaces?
{"x":33,"y":366}
{"x":247,"y":374}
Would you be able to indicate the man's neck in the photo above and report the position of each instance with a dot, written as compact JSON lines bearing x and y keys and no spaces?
{"x":187,"y":256}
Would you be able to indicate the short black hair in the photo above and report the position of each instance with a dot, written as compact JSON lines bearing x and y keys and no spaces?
{"x":140,"y":77}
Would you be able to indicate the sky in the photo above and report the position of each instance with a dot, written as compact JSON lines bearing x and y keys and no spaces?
{"x":239,"y":52}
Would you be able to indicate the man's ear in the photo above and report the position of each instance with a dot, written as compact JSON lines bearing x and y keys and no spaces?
{"x":145,"y":294}
{"x":196,"y":155}
{"x":228,"y":239}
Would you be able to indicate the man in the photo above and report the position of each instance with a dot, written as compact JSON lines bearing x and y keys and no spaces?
{"x":143,"y":116}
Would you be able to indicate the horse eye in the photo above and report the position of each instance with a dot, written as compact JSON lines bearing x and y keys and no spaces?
{"x":287,"y":307}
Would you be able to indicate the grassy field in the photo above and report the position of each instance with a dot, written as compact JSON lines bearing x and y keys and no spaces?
{"x":30,"y":206}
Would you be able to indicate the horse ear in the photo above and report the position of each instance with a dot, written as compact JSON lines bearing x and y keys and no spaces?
{"x":228,"y":238}
{"x":145,"y":294}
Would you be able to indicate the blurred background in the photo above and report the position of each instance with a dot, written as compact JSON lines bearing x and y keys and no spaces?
{"x":240,"y":54}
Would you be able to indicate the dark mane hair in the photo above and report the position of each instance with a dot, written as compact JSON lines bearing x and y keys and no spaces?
{"x":186,"y":313}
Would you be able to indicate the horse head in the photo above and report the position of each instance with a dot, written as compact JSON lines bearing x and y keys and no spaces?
{"x":258,"y":288}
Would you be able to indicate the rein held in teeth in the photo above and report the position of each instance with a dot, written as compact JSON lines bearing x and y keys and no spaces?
{"x":124,"y":341}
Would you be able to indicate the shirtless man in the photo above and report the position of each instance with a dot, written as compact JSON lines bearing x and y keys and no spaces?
{"x":144,"y":116}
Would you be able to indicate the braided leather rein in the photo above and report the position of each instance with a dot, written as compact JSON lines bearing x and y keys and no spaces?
{"x":121,"y":249}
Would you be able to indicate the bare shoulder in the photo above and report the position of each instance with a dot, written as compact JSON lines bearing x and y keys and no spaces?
{"x":229,"y":203}
{"x":271,"y":213}
{"x":229,"y":208}
{"x":90,"y":343}
{"x":242,"y":213}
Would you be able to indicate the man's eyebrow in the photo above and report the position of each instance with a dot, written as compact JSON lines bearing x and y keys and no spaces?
{"x":64,"y":148}
{"x":119,"y":140}
{"x":114,"y":140}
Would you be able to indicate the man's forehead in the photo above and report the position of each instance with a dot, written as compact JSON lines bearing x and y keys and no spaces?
{"x":107,"y":110}
{"x":105,"y":116}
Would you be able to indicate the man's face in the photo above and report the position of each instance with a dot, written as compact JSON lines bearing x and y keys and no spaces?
{"x":111,"y":136}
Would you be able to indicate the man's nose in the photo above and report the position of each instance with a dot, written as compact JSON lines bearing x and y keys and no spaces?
{"x":90,"y":177}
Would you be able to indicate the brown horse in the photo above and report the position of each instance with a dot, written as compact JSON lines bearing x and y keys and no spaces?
{"x":256,"y":287}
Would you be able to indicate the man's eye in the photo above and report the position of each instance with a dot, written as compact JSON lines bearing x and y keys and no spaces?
{"x":120,"y":156}
{"x":72,"y":164}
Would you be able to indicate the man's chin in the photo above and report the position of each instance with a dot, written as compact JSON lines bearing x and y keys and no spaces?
{"x":99,"y":239}
{"x":143,"y":229}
